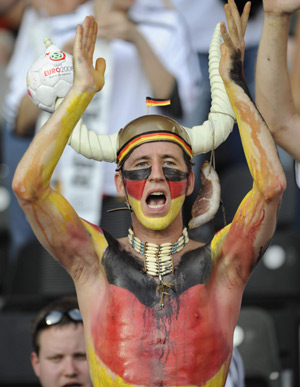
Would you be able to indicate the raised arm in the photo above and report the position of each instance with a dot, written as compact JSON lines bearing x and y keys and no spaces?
{"x":68,"y":238}
{"x":273,"y":91}
{"x":238,"y":247}
{"x":294,"y":68}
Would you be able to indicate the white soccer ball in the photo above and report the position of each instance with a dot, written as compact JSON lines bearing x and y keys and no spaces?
{"x":50,"y":77}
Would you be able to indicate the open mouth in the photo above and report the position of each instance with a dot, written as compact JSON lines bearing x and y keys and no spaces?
{"x":156,"y":200}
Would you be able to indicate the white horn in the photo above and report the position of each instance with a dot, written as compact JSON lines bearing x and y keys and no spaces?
{"x":221,"y":118}
{"x":100,"y":147}
{"x":204,"y":138}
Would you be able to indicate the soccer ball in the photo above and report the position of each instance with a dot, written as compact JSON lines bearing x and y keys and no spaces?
{"x":50,"y":77}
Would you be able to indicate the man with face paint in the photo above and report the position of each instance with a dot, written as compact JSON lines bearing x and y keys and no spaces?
{"x":158,"y":309}
{"x":138,"y":163}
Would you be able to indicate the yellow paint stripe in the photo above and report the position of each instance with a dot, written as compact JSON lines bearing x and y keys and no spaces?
{"x":102,"y":377}
{"x":158,"y":137}
{"x":157,"y":223}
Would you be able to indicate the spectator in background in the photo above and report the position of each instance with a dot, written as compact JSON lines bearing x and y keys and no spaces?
{"x":277,"y":86}
{"x":277,"y":97}
{"x":236,"y":374}
{"x":11,"y":13}
{"x":58,"y":20}
{"x":59,"y":355}
{"x":201,"y":19}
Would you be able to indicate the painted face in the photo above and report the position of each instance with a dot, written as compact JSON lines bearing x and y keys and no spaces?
{"x":156,"y":182}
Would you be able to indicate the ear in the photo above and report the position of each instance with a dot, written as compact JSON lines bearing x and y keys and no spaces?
{"x":35,"y":362}
{"x":120,"y":185}
{"x":190,"y":183}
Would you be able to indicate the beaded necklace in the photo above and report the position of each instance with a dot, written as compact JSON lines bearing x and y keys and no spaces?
{"x":158,"y":259}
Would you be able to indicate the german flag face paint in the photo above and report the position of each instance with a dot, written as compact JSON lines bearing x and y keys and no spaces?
{"x":155,"y":206}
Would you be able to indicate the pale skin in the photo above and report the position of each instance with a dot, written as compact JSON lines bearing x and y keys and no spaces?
{"x":62,"y":357}
{"x":235,"y":250}
{"x":274,"y":95}
{"x":294,"y":70}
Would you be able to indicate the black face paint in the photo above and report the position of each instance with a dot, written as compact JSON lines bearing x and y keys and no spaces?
{"x":170,"y":174}
{"x":137,"y":174}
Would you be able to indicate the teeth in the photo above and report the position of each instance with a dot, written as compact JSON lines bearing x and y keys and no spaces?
{"x":155,"y":206}
{"x":156,"y":193}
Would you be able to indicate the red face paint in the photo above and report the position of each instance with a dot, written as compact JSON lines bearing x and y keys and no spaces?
{"x":135,"y":181}
{"x":135,"y":188}
{"x":177,"y":188}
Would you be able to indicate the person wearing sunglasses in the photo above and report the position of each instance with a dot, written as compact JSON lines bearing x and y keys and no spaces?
{"x":59,"y":356}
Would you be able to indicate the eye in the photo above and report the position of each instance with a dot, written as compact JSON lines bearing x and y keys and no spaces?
{"x":56,"y":358}
{"x":141,"y":164}
{"x":169,"y":163}
{"x":80,"y":356}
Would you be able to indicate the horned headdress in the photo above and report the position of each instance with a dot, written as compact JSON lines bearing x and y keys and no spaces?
{"x":195,"y":140}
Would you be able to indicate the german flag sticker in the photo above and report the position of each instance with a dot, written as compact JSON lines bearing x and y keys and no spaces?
{"x":157,"y":102}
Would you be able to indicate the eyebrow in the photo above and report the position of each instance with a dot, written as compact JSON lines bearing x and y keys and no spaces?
{"x":142,"y":157}
{"x":167,"y":156}
{"x":145,"y":157}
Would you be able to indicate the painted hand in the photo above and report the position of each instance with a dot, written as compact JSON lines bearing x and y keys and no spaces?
{"x":86,"y":76}
{"x":233,"y":47}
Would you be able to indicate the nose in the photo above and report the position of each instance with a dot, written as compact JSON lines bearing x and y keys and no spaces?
{"x":156,"y":172}
{"x":70,"y":367}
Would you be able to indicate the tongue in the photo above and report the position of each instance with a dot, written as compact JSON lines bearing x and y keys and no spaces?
{"x":155,"y":200}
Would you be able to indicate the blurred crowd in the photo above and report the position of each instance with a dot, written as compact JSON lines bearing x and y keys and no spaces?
{"x":152,"y":47}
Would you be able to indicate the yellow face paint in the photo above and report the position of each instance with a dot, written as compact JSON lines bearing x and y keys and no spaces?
{"x":157,"y":223}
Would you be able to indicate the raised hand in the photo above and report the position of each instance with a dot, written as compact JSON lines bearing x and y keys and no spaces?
{"x":233,"y":47}
{"x":86,"y":76}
